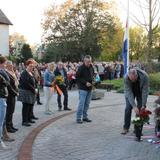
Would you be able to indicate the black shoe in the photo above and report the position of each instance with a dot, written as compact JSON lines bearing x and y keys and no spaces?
{"x":14,"y":129}
{"x":79,"y":121}
{"x":138,"y":140}
{"x":10,"y":130}
{"x":59,"y":109}
{"x":67,"y":109}
{"x":31,"y":121}
{"x":35,"y":118}
{"x":39,"y":103}
{"x":8,"y":139}
{"x":134,"y":132}
{"x":26,"y":124}
{"x":87,"y":120}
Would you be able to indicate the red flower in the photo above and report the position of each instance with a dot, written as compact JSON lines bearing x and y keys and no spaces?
{"x":145,"y":113}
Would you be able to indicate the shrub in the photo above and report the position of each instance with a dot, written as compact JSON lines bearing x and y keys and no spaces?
{"x":117,"y":83}
{"x":154,"y":79}
{"x":154,"y":82}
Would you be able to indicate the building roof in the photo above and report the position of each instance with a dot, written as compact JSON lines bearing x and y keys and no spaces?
{"x":4,"y":19}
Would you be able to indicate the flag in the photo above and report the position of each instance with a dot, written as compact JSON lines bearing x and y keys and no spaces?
{"x":125,"y":48}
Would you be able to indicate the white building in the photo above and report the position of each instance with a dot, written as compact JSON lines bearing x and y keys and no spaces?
{"x":4,"y":34}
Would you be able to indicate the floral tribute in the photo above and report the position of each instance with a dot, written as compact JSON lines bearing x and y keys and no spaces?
{"x":139,"y":121}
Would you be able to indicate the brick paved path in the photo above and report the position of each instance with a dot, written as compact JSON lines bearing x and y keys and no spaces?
{"x":14,"y":147}
{"x":99,"y":140}
{"x":65,"y":140}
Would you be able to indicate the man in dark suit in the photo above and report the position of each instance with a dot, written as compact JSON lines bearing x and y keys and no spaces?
{"x":61,"y":71}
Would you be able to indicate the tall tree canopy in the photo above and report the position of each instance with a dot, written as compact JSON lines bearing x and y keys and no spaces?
{"x":75,"y":29}
{"x":138,"y":43}
{"x":26,"y":53}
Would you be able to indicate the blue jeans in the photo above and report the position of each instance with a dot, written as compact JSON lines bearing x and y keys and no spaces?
{"x":3,"y":107}
{"x":83,"y":106}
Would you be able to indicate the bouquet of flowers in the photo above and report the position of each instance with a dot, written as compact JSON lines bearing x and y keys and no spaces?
{"x":59,"y":80}
{"x":139,"y":121}
{"x":142,"y":118}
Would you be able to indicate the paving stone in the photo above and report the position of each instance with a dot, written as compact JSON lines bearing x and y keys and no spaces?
{"x":99,"y":140}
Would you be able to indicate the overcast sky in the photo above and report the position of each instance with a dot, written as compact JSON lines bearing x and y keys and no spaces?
{"x":26,"y":15}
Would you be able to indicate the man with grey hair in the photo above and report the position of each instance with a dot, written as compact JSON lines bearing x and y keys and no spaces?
{"x":136,"y":86}
{"x":61,"y":71}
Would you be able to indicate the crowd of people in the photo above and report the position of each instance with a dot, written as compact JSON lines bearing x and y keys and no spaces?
{"x":23,"y":83}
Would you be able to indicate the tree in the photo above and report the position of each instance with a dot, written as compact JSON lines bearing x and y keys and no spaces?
{"x":138,"y":43}
{"x":112,"y":44}
{"x":73,"y":30}
{"x":16,"y":42}
{"x":156,"y":44}
{"x":150,"y":10}
{"x":26,"y":52}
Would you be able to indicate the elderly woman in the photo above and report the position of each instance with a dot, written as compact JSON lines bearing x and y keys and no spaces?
{"x":11,"y":99}
{"x":27,"y":93}
{"x":48,"y":83}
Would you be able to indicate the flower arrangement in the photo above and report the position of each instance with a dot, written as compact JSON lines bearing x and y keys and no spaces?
{"x":142,"y":118}
{"x":139,"y":121}
{"x":59,"y":80}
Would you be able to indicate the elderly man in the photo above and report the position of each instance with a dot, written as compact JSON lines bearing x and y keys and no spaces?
{"x":136,"y":87}
{"x":60,"y":71}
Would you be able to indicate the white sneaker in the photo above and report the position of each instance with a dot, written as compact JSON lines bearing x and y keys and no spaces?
{"x":2,"y":145}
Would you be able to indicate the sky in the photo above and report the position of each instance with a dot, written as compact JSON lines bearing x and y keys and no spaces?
{"x":26,"y":15}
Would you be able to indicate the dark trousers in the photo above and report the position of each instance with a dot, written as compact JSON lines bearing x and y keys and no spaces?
{"x":65,"y":94}
{"x":128,"y":112}
{"x":27,"y":112}
{"x":11,"y":100}
{"x":72,"y":83}
{"x":38,"y":96}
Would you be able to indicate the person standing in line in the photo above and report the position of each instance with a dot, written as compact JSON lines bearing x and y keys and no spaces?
{"x":48,"y":83}
{"x":63,"y":85}
{"x":27,"y":93}
{"x":3,"y":96}
{"x":11,"y":99}
{"x":37,"y":75}
{"x":85,"y":81}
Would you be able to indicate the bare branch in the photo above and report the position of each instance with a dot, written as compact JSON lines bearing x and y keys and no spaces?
{"x":155,"y":11}
{"x":142,"y":13}
{"x":144,"y":6}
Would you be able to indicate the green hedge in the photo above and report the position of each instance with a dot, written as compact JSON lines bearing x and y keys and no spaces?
{"x":154,"y":82}
{"x":117,"y":84}
{"x":153,"y":78}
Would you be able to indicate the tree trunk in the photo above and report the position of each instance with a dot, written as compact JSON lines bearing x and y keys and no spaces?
{"x":150,"y":33}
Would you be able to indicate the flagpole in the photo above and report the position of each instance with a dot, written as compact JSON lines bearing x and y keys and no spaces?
{"x":128,"y":35}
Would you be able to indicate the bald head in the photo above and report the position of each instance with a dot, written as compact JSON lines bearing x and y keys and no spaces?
{"x":132,"y":74}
